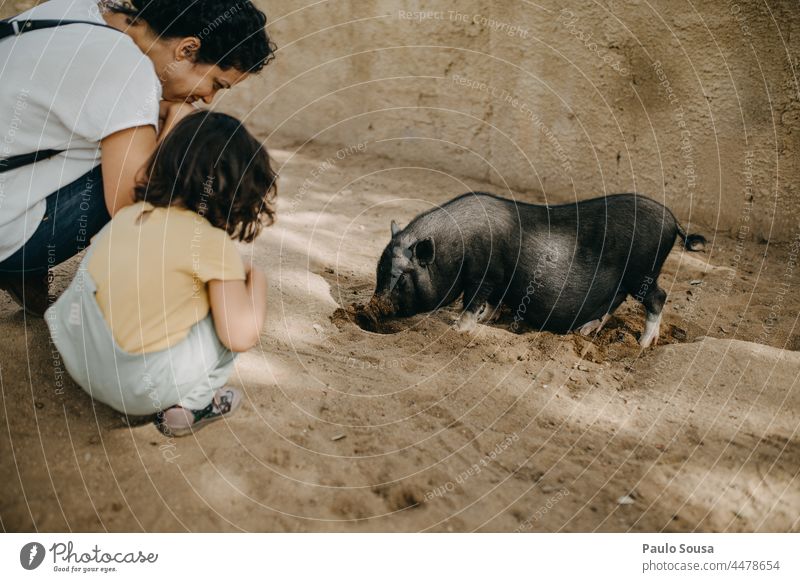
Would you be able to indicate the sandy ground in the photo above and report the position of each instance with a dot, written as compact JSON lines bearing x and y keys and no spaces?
{"x":425,"y":429}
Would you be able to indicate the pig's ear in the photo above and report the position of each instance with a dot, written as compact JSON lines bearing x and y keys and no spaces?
{"x":424,"y":251}
{"x":395,"y":229}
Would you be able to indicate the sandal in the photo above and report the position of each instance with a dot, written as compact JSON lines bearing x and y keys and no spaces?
{"x":180,"y":421}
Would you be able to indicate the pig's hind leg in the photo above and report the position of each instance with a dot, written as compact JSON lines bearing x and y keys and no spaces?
{"x":653,"y":304}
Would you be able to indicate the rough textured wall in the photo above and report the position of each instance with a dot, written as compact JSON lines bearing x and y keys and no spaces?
{"x":693,"y":103}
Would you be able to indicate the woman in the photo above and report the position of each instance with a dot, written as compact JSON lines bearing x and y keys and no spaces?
{"x":103,"y":96}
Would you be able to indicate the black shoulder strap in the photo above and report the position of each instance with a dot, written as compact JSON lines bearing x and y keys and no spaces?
{"x":14,"y":162}
{"x":15,"y":28}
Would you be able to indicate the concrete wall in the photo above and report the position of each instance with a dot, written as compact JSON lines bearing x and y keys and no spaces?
{"x":693,"y":103}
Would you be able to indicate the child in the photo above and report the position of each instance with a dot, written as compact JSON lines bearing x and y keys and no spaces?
{"x":162,"y":299}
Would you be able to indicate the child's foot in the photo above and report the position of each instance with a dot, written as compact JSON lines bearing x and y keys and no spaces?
{"x":179,"y":421}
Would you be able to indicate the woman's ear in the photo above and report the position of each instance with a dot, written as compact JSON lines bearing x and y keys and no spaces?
{"x":187,"y":49}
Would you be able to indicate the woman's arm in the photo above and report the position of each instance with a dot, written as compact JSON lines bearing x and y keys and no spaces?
{"x":239,"y":309}
{"x":126,"y":152}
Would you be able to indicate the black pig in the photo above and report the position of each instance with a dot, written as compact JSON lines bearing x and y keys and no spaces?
{"x":560,"y":268}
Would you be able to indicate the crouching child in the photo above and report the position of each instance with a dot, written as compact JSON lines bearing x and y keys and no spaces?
{"x":163,"y":301}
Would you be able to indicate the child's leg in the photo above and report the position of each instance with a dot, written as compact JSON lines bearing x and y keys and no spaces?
{"x":190,"y":374}
{"x":207,"y":398}
{"x":201,"y":393}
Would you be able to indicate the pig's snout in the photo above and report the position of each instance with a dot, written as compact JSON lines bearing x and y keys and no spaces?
{"x":381,"y":306}
{"x":370,"y":316}
{"x":367,"y":319}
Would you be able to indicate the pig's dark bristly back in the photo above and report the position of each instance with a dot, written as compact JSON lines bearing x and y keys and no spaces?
{"x":599,"y":251}
{"x":469,"y":214}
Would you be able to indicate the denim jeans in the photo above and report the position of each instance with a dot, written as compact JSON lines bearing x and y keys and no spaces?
{"x":74,"y":214}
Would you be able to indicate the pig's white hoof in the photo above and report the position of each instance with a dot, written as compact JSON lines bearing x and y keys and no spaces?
{"x":488,"y":313}
{"x":652,"y":328}
{"x":467,"y":323}
{"x":589,"y":327}
{"x":594,"y":326}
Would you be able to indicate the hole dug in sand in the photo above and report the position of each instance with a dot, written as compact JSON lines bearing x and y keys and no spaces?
{"x":361,"y":316}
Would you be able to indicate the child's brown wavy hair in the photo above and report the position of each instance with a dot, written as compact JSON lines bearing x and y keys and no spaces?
{"x":211,"y":164}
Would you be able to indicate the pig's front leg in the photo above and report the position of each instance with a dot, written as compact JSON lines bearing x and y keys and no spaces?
{"x":476,"y":297}
{"x":467,"y":322}
{"x":489,"y":313}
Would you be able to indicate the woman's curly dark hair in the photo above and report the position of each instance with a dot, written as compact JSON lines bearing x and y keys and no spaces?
{"x":210,"y":164}
{"x":231,"y":32}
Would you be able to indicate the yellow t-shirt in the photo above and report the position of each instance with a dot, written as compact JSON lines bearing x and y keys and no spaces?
{"x":151,"y":266}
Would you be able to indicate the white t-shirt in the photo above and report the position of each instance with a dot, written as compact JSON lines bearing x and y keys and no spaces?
{"x":64,"y":88}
